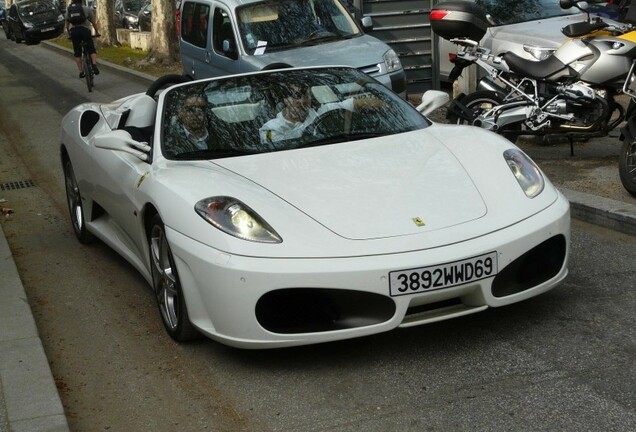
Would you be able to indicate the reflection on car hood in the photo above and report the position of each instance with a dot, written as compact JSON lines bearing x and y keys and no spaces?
{"x":356,"y":52}
{"x":369,"y":189}
{"x":545,"y":33}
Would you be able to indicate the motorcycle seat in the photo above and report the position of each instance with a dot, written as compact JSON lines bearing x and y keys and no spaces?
{"x":533,"y":69}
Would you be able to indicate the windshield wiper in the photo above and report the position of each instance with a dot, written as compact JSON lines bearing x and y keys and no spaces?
{"x":319,"y":39}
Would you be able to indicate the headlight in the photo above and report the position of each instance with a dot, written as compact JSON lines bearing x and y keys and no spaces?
{"x":392,"y":61}
{"x":60,"y":18}
{"x":525,"y":171}
{"x":538,"y":52}
{"x":132,"y":19}
{"x":27,"y":24}
{"x":235,"y":218}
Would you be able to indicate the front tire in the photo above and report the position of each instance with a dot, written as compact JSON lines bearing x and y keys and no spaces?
{"x":478,"y":103}
{"x":75,"y":209}
{"x":167,"y":286}
{"x":627,"y":165}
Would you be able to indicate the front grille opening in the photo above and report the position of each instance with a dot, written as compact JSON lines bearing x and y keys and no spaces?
{"x":20,"y":184}
{"x":536,"y":266}
{"x":314,"y":310}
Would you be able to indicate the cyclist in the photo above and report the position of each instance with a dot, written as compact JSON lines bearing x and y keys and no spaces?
{"x":78,"y":25}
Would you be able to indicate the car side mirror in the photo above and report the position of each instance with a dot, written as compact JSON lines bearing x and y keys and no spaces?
{"x":120,"y":140}
{"x":432,"y":100}
{"x":367,"y":23}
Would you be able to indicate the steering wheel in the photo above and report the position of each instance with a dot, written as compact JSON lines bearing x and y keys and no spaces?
{"x":164,"y":81}
{"x":332,"y":122}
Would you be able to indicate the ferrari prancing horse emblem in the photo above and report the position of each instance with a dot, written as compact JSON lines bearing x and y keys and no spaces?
{"x":418,"y":221}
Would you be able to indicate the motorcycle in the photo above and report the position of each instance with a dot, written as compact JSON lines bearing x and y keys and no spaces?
{"x":572,"y":93}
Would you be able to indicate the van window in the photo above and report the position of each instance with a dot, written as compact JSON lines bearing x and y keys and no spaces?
{"x":194,"y":23}
{"x":222,"y":30}
{"x":287,"y":24}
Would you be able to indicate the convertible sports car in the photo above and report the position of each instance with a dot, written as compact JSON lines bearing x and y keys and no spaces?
{"x":363,"y":217}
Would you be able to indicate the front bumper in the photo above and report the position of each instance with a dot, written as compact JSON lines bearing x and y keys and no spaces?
{"x":237,"y":300}
{"x":45,"y":32}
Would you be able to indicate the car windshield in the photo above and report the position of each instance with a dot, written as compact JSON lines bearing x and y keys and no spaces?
{"x":280,"y":110}
{"x":133,"y":6}
{"x":286,"y":24}
{"x":504,"y":12}
{"x":27,"y":9}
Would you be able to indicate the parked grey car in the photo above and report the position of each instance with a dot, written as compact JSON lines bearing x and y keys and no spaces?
{"x":529,"y":28}
{"x":221,"y":37}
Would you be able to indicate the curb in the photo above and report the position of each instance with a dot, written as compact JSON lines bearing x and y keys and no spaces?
{"x":615,"y":215}
{"x":28,"y":393}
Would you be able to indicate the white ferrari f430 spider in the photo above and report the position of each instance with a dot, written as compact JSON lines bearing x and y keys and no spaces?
{"x":300,"y":206}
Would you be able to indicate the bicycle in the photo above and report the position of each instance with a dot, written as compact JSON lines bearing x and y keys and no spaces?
{"x":87,"y":65}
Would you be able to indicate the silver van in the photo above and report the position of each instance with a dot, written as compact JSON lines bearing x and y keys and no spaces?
{"x":221,"y":37}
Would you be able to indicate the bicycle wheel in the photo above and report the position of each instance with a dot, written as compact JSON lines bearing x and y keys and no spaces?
{"x":88,"y":71}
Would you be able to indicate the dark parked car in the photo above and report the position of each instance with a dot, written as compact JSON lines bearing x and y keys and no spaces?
{"x":126,"y":13}
{"x":145,"y":16}
{"x":33,"y":21}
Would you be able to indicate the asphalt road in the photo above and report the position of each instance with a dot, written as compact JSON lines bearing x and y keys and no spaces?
{"x":562,"y":361}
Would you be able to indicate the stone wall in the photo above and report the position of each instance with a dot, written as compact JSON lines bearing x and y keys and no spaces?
{"x":133,"y":39}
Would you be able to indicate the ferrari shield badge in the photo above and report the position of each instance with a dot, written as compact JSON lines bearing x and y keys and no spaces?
{"x":141,"y":179}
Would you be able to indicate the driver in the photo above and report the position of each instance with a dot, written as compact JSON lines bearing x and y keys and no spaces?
{"x":298,"y":113}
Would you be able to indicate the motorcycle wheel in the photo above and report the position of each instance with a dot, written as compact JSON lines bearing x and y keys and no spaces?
{"x":480,"y":102}
{"x":627,"y":165}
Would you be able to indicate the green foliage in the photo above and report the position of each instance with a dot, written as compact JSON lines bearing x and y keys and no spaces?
{"x":127,"y":57}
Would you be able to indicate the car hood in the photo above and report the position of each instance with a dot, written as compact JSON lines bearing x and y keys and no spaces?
{"x":412,"y":191}
{"x":545,"y":33}
{"x":356,"y":52}
{"x":370,"y":189}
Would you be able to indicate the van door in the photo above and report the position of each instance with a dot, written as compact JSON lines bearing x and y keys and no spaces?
{"x":203,"y":32}
{"x":226,"y":57}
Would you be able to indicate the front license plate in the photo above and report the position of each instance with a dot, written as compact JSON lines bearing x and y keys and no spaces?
{"x":417,"y":280}
{"x":47,"y":29}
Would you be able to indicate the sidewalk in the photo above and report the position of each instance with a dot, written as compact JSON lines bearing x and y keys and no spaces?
{"x":29,"y":400}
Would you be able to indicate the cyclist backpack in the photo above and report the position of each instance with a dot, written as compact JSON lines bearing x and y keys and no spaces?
{"x":76,"y":13}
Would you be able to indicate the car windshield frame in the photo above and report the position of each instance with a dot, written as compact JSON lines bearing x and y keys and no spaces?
{"x":240,"y":109}
{"x":506,"y":12}
{"x":277,"y":25}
